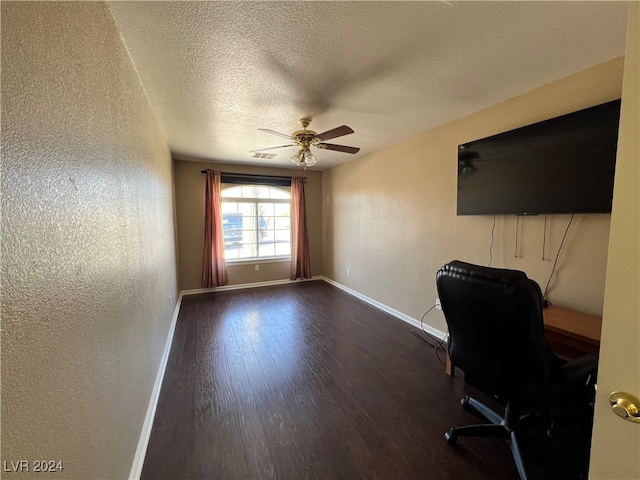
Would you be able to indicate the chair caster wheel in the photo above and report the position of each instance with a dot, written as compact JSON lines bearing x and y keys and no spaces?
{"x":466,"y":404}
{"x":450,"y":437}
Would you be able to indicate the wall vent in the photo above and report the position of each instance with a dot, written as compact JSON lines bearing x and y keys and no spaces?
{"x":268,"y":156}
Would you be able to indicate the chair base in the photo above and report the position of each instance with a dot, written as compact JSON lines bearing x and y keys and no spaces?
{"x":500,"y":427}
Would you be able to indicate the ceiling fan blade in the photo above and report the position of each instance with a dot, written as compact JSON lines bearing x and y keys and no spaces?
{"x":336,"y":132}
{"x":339,"y":148}
{"x":271,"y":148}
{"x":275,"y":133}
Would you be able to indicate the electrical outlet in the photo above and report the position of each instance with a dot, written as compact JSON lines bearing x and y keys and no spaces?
{"x":348,"y":272}
{"x":438,"y":304}
{"x":257,"y":267}
{"x":169,"y":300}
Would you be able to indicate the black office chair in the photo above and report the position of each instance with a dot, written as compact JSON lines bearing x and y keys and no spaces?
{"x":496,"y":336}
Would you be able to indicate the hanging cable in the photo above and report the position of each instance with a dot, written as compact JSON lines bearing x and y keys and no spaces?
{"x":544,"y":295}
{"x":492,"y":239}
{"x":544,"y":237}
{"x":515,"y":255}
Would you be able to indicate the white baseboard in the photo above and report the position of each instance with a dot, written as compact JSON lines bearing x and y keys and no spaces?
{"x":145,"y":434}
{"x":392,"y":311}
{"x":239,"y":286}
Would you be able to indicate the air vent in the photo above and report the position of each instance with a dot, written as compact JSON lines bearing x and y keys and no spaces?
{"x":268,"y":156}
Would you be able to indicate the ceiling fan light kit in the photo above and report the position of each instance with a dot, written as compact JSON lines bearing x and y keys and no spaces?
{"x":308,"y":138}
{"x":304,"y":158}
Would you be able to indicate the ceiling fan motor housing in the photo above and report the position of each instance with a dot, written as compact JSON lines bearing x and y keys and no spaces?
{"x":306,"y":137}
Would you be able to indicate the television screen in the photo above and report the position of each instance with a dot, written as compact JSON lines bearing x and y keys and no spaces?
{"x":562,"y":165}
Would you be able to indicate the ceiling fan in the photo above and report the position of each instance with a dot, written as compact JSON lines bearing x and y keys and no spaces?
{"x":304,"y":139}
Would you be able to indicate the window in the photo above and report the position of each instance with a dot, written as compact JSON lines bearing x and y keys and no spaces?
{"x":256,"y":222}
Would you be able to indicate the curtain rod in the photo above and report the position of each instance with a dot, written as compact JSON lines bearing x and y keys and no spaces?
{"x":252,"y":179}
{"x":254,"y":175}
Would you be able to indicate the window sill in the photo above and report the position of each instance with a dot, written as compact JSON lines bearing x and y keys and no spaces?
{"x":257,"y":261}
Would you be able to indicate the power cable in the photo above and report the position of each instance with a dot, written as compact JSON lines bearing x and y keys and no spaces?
{"x":544,"y":295}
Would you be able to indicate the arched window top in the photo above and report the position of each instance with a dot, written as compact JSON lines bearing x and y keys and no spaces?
{"x":255,"y":191}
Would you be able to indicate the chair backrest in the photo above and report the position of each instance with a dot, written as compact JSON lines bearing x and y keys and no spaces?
{"x":496,"y":331}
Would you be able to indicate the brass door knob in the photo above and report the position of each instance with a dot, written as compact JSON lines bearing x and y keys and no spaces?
{"x":625,"y":405}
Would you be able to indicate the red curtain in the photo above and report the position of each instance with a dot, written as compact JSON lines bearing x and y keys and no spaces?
{"x":214,"y":268}
{"x":300,"y":258}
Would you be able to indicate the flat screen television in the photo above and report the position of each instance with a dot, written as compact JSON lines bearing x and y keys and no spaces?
{"x":562,"y":165}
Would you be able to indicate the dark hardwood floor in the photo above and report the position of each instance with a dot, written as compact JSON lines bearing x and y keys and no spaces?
{"x":305,"y":381}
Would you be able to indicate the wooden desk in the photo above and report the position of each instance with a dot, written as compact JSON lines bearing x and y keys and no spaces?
{"x":570,"y":333}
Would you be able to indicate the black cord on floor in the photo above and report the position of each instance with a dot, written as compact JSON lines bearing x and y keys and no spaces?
{"x":425,"y":341}
{"x":438,"y":345}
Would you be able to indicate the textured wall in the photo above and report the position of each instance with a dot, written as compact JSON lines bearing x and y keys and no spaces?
{"x":391,"y":216}
{"x":190,"y":219}
{"x":88,"y":249}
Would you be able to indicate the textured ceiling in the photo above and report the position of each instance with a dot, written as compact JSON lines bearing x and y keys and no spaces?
{"x":214,"y":72}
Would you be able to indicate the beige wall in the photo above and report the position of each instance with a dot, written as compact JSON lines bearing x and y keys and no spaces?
{"x":390,"y":216}
{"x":190,"y":218}
{"x":89,"y":277}
{"x":615,"y":451}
